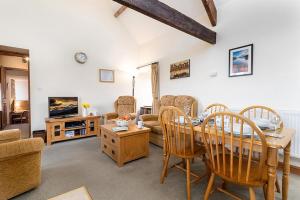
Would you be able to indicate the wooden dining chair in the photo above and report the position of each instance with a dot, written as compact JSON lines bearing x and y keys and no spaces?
{"x":221,"y":133}
{"x":216,"y":107}
{"x":258,"y":111}
{"x":179,"y":141}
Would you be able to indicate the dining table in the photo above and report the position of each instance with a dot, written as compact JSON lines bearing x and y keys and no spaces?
{"x":276,"y":140}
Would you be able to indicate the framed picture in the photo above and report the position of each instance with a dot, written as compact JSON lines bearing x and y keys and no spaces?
{"x":180,"y":70}
{"x":241,"y":61}
{"x":106,"y":75}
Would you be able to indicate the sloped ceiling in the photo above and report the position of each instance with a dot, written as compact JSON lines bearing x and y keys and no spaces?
{"x":144,"y":29}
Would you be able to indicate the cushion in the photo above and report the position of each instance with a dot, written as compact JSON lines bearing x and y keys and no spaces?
{"x":181,"y":101}
{"x":157,"y":130}
{"x":167,"y":100}
{"x":151,"y":123}
{"x":126,"y":100}
{"x":125,"y":110}
{"x":154,"y":126}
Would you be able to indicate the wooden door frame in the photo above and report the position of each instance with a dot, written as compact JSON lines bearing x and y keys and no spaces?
{"x":29,"y":97}
{"x":20,"y":52}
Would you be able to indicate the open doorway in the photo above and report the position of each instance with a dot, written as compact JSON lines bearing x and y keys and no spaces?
{"x":15,"y":90}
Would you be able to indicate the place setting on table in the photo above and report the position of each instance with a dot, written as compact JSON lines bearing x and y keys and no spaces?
{"x":270,"y":127}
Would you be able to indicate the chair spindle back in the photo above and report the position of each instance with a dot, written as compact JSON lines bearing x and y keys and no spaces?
{"x":177,"y":131}
{"x":263,"y":112}
{"x":216,"y":107}
{"x":230,"y":153}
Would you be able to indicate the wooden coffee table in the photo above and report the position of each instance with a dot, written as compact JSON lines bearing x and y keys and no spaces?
{"x":125,"y":146}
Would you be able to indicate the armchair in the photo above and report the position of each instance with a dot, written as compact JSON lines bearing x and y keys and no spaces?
{"x":20,"y":163}
{"x":124,"y":105}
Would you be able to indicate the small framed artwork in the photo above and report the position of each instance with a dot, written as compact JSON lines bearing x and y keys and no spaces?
{"x":180,"y":70}
{"x":241,"y":61}
{"x":106,"y":75}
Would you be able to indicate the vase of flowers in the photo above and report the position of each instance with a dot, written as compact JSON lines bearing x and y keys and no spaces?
{"x":85,"y":107}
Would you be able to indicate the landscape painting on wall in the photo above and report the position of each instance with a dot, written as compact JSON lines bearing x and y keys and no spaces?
{"x":180,"y":70}
{"x":241,"y":61}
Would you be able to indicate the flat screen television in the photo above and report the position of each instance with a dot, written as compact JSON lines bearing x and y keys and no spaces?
{"x":60,"y":107}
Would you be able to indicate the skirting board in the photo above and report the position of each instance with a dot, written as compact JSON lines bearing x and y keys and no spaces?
{"x":294,"y":169}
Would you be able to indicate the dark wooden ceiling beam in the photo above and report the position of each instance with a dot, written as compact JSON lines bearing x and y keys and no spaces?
{"x":167,"y":15}
{"x":120,"y":11}
{"x":211,"y":11}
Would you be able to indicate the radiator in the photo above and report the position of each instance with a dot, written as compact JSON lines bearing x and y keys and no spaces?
{"x":291,"y":119}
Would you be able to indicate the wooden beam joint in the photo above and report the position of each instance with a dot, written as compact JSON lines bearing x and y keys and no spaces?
{"x":211,"y":11}
{"x":120,"y":11}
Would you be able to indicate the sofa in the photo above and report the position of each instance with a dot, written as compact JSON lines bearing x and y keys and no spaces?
{"x":20,"y":163}
{"x":151,"y":121}
{"x":124,"y":106}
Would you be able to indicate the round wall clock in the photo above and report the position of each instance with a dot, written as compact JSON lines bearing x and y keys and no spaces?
{"x":80,"y":57}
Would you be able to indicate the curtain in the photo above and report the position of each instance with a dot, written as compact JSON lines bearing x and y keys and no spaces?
{"x":155,"y":88}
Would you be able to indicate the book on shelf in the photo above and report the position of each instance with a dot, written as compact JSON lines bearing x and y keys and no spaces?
{"x":70,"y":133}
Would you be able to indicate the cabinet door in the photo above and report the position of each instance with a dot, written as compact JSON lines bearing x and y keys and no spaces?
{"x":93,"y":125}
{"x":57,"y":131}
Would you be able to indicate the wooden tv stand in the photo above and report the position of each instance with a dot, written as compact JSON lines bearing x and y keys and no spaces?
{"x":71,"y":128}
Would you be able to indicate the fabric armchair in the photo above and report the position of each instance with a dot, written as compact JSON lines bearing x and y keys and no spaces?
{"x":20,"y":163}
{"x":10,"y":135}
{"x":124,"y":106}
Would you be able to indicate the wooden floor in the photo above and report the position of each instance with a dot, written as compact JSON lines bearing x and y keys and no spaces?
{"x":23,"y":127}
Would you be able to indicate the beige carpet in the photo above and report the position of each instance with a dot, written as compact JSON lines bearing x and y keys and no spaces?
{"x":70,"y":165}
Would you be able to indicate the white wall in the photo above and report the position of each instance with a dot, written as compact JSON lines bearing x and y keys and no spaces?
{"x":271,"y":25}
{"x":53,"y":30}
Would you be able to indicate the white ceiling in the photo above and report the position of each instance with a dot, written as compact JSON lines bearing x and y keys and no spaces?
{"x":144,"y":29}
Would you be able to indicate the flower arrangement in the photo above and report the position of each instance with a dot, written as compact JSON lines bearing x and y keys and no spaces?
{"x":86,"y":105}
{"x":85,"y":108}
